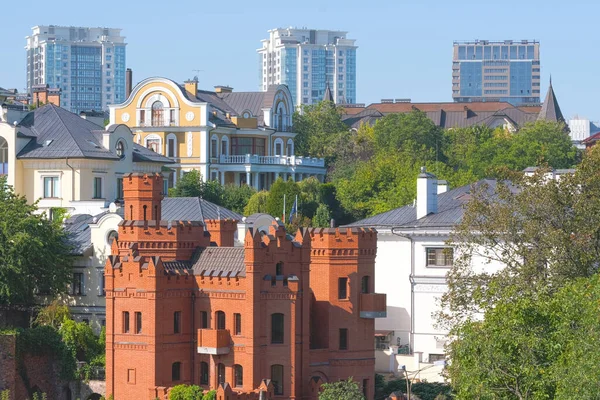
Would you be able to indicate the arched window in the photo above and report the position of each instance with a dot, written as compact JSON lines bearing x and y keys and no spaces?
{"x":3,"y":156}
{"x":214,"y":147}
{"x":277,"y":328}
{"x":225,"y":145}
{"x":364,"y":285}
{"x":290,"y":147}
{"x":204,"y":373}
{"x":277,"y":378}
{"x":112,"y":235}
{"x":176,"y":371}
{"x":238,"y":376}
{"x":154,"y":143}
{"x":120,"y":149}
{"x":278,"y":147}
{"x":220,"y":317}
{"x":171,"y":145}
{"x":158,"y":114}
{"x":220,"y":373}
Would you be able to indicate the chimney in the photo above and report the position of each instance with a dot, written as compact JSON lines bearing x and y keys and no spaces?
{"x":442,"y":187}
{"x":426,"y":194}
{"x":223,"y":89}
{"x":128,"y":82}
{"x":191,"y":88}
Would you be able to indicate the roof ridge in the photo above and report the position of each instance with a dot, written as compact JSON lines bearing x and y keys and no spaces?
{"x":53,"y":107}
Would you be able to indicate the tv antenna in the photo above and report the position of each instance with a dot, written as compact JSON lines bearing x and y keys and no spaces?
{"x":197,"y":72}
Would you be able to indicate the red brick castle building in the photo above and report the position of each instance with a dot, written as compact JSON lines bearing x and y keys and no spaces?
{"x":279,"y":315}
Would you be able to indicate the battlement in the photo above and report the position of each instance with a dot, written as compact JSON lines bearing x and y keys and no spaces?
{"x":222,"y":231}
{"x":142,"y":194}
{"x":364,"y":240}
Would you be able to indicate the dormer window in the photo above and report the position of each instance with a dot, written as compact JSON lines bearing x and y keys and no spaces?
{"x":120,"y":149}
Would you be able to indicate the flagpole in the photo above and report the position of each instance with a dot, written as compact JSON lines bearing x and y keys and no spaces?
{"x":297,"y":207}
{"x":284,"y":208}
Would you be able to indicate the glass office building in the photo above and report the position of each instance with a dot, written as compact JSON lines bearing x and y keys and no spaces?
{"x":307,"y":60}
{"x":496,"y":71}
{"x":87,"y":64}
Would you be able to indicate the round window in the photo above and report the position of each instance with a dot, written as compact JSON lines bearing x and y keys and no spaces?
{"x":112,"y":235}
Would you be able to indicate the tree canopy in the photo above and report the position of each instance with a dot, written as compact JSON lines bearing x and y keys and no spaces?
{"x":342,"y":390}
{"x":34,"y":251}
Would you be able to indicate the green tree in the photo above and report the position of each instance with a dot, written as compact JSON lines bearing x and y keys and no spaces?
{"x":81,"y":340}
{"x":235,"y":198}
{"x":322,"y":217}
{"x":317,"y":126}
{"x":54,"y":314}
{"x":257,"y":203}
{"x":342,"y":390}
{"x":189,"y":185}
{"x":210,"y":395}
{"x":34,"y":252}
{"x":186,"y":392}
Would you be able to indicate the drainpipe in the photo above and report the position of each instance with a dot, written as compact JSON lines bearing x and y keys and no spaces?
{"x":72,"y":179}
{"x":194,"y":338}
{"x":412,"y":293}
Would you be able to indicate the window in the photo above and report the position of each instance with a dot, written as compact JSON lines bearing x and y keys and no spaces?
{"x":142,"y":117}
{"x":220,"y":317}
{"x":138,"y":322}
{"x":224,"y":145}
{"x":279,"y":269}
{"x":157,"y":114}
{"x":277,"y":328}
{"x":203,"y":373}
{"x":342,"y":288}
{"x":238,"y":376}
{"x":120,"y":188}
{"x":278,"y":146}
{"x":125,"y":321}
{"x":237,"y":324}
{"x":102,"y":288}
{"x":439,"y":256}
{"x":203,"y":320}
{"x":176,"y":371}
{"x":154,"y":144}
{"x":171,"y":147}
{"x":290,"y":147}
{"x":97,"y":187}
{"x":247,"y":145}
{"x":343,"y":339}
{"x":120,"y":149}
{"x":177,"y":322}
{"x":220,"y":373}
{"x":277,"y":378}
{"x":213,"y":148}
{"x":364,"y":285}
{"x":51,"y":187}
{"x":77,"y":284}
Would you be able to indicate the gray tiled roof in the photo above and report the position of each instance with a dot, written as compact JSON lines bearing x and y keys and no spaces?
{"x":78,"y":231}
{"x":241,"y":101}
{"x":60,"y":134}
{"x":450,"y":211}
{"x":194,"y":209}
{"x":143,"y":154}
{"x":550,"y":109}
{"x":220,"y":261}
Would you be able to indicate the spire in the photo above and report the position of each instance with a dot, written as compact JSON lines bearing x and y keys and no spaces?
{"x":550,"y":109}
{"x":328,"y":95}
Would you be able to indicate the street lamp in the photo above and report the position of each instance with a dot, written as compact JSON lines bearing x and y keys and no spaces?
{"x":441,"y":363}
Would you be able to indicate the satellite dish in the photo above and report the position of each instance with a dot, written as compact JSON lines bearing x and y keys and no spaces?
{"x":112,"y":207}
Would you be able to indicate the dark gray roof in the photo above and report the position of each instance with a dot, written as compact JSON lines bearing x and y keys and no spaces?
{"x":78,"y":232}
{"x":220,"y":261}
{"x":58,"y":133}
{"x":143,"y":154}
{"x":550,"y":109}
{"x":450,"y":211}
{"x":194,"y":209}
{"x":242,"y":101}
{"x":328,"y":96}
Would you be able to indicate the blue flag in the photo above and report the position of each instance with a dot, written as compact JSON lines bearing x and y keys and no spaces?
{"x":294,"y":210}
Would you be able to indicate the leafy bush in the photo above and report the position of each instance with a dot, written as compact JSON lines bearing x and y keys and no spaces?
{"x":210,"y":395}
{"x":186,"y":392}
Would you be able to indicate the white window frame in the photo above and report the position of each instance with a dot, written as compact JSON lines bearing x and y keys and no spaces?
{"x":225,"y":139}
{"x":290,"y":145}
{"x":275,"y":143}
{"x":173,"y":137}
{"x":214,"y":139}
{"x":94,"y":194}
{"x":439,"y":248}
{"x":154,"y":137}
{"x":56,"y":189}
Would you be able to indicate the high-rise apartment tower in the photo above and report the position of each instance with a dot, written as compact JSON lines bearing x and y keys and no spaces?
{"x":307,"y":61}
{"x":507,"y":70}
{"x":86,"y":64}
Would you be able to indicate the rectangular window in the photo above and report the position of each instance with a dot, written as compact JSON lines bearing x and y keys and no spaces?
{"x":51,"y":187}
{"x":177,"y":322}
{"x":120,"y":188}
{"x":131,"y":376}
{"x":138,"y":322}
{"x":97,"y":187}
{"x":343,"y":339}
{"x":203,"y":320}
{"x":237,"y":324}
{"x":125,"y":321}
{"x":213,"y":148}
{"x":171,"y":147}
{"x":439,"y":256}
{"x":77,"y":284}
{"x":342,"y":288}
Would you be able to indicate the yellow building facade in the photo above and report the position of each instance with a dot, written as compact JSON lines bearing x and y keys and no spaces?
{"x":233,"y":137}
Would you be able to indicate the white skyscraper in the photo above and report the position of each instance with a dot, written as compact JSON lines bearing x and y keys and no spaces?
{"x":307,"y":61}
{"x":86,"y":64}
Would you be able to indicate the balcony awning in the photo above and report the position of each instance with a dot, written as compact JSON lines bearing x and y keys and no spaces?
{"x":383,"y":333}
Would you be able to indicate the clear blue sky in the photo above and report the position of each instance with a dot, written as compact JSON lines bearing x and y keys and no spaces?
{"x":405,"y":47}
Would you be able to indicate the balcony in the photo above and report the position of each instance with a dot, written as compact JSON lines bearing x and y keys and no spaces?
{"x":214,"y":341}
{"x":373,"y":305}
{"x":272,"y":160}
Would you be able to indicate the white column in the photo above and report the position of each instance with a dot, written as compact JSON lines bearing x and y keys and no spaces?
{"x":255,"y":183}
{"x":294,"y":176}
{"x":222,"y":178}
{"x":248,"y":178}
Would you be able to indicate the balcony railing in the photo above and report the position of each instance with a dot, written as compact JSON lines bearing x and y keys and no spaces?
{"x":214,"y":341}
{"x":272,"y":160}
{"x":373,"y":305}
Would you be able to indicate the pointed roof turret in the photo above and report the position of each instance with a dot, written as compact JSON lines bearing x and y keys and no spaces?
{"x":550,"y":109}
{"x":328,"y":95}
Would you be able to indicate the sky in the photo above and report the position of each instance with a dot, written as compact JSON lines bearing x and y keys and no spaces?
{"x":404,"y":47}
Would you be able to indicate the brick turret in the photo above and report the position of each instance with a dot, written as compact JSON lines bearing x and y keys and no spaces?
{"x":142,"y":194}
{"x":222,"y":231}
